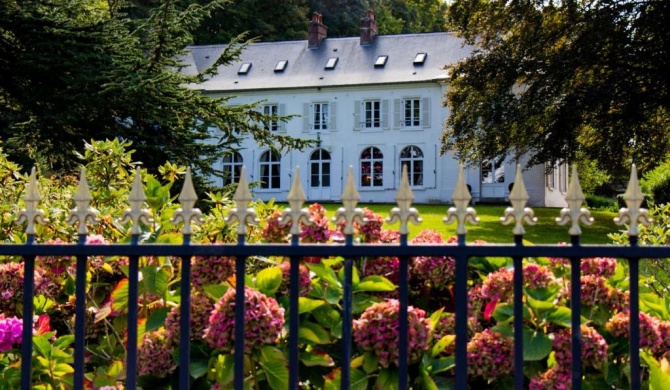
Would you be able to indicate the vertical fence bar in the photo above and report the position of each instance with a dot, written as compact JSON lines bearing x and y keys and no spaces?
{"x":27,"y":334}
{"x":403,"y":341}
{"x":239,"y":317}
{"x":294,"y":319}
{"x":80,"y":317}
{"x":131,"y":354}
{"x":518,"y":316}
{"x":576,"y":317}
{"x":461,"y":317}
{"x":346,"y":317}
{"x":634,"y":330}
{"x":185,"y":320}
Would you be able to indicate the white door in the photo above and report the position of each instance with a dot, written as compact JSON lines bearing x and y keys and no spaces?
{"x":319,"y":175}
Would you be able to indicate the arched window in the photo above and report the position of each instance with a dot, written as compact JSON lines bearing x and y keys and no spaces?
{"x":319,"y":168}
{"x":372,"y":167}
{"x":270,"y":163}
{"x":412,"y":157}
{"x":231,"y":168}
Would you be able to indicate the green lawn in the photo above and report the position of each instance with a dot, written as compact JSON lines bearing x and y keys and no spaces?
{"x":546,"y":231}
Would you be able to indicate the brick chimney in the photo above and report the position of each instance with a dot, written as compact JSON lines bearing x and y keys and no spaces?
{"x":368,"y":28}
{"x":316,"y":31}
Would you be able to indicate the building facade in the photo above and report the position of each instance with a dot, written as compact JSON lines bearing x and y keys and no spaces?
{"x":373,"y":103}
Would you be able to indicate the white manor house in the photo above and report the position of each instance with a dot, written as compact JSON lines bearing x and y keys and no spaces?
{"x":373,"y":102}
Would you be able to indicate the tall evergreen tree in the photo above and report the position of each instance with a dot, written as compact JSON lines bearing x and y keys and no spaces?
{"x":64,"y":80}
{"x":555,"y":79}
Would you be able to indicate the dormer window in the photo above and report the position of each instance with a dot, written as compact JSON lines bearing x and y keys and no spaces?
{"x":381,"y":61}
{"x":332,"y":62}
{"x":281,"y":66}
{"x":420,"y":58}
{"x":244,"y":69}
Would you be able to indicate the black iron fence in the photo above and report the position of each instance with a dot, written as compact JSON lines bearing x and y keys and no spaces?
{"x":350,"y":251}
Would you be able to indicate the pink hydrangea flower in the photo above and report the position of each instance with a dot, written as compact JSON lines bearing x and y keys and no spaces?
{"x":201,"y":309}
{"x":650,"y":336}
{"x":154,"y":355}
{"x":439,"y":271}
{"x":274,"y":231}
{"x":55,"y":265}
{"x":594,"y":290}
{"x":599,"y":266}
{"x":490,"y":355}
{"x":662,"y":350}
{"x":499,"y":285}
{"x":370,"y":231}
{"x":594,"y":347}
{"x":98,"y":261}
{"x":377,"y":331}
{"x":10,"y":332}
{"x":211,"y":270}
{"x":318,"y":230}
{"x":263,"y":321}
{"x":11,"y":286}
{"x":304,"y":281}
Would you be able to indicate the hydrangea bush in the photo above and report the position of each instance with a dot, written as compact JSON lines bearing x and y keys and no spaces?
{"x":547,"y":352}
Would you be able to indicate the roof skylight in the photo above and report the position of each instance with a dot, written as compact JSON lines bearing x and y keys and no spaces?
{"x":244,"y":69}
{"x":332,"y":62}
{"x":281,"y":65}
{"x":381,"y":61}
{"x":420,"y":58}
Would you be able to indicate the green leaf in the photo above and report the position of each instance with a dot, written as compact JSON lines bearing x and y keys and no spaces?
{"x":120,"y":296}
{"x":268,"y":280}
{"x":370,"y":362}
{"x":64,"y":341}
{"x":358,"y":380}
{"x":276,"y":373}
{"x":361,"y":302}
{"x":199,"y":368}
{"x":355,"y":278}
{"x":316,"y":357}
{"x":306,"y":305}
{"x":157,"y":318}
{"x":560,"y":316}
{"x":326,"y":274}
{"x":155,"y":280}
{"x":42,"y":346}
{"x":216,"y":291}
{"x":388,"y":379}
{"x":504,"y":312}
{"x":326,"y":315}
{"x":312,"y":333}
{"x":62,"y":369}
{"x":271,"y":354}
{"x":536,"y":345}
{"x":442,"y":344}
{"x":332,"y":295}
{"x":374,"y":283}
{"x":659,"y":372}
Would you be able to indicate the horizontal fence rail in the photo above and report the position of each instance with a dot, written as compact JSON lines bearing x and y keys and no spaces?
{"x":350,"y":251}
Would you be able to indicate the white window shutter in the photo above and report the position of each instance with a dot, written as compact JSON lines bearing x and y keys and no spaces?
{"x":357,"y":114}
{"x":385,"y":114}
{"x":397,"y":113}
{"x":332,"y":117}
{"x":306,"y":118}
{"x":425,"y":112}
{"x":281,"y":110}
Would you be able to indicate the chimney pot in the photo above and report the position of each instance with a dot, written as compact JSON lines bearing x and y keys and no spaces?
{"x":316,"y":31}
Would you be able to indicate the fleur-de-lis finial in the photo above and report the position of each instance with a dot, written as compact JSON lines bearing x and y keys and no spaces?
{"x":187,"y":198}
{"x":31,"y":213}
{"x":241,"y":212}
{"x":575,"y":212}
{"x":349,"y":213}
{"x":83,"y":211}
{"x":295,"y":213}
{"x":136,"y":213}
{"x":404,"y":212}
{"x":633,"y":214}
{"x":461,"y":213}
{"x":518,"y":212}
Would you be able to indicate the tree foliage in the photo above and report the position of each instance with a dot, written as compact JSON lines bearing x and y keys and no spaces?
{"x":72,"y":71}
{"x":556,"y":78}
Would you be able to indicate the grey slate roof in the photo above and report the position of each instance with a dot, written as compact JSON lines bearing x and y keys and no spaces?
{"x":355,"y":65}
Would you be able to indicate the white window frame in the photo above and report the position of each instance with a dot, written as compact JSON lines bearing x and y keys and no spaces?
{"x":497,"y":169}
{"x":320,"y":116}
{"x":411,"y":112}
{"x":272,"y":109}
{"x":272,"y":179}
{"x":322,"y":159}
{"x":413,"y":157}
{"x":231,"y":168}
{"x":372,"y":114}
{"x":368,"y":178}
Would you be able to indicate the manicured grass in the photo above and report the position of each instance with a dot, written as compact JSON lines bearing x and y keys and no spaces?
{"x":546,"y":231}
